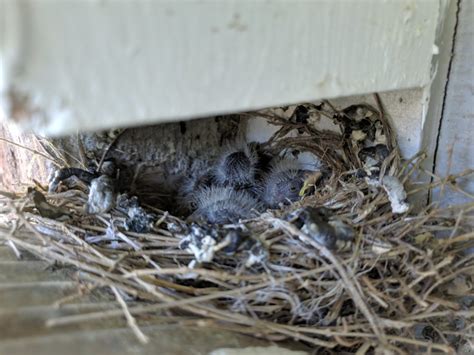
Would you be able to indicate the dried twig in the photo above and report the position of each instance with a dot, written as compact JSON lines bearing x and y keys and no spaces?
{"x":132,"y":323}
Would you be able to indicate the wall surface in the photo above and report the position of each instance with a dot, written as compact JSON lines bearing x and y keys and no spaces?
{"x":455,"y":142}
{"x":69,"y":65}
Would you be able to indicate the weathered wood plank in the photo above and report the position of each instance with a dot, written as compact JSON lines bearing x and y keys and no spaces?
{"x":455,"y":138}
{"x":28,"y":272}
{"x":14,"y":297}
{"x":25,"y":322}
{"x":173,"y":340}
{"x":7,"y":254}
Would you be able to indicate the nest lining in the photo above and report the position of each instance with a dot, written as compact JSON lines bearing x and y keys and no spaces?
{"x":391,"y":288}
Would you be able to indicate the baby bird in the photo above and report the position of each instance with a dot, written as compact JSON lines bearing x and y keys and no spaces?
{"x":236,"y":167}
{"x":282,"y":184}
{"x":190,"y":189}
{"x":321,"y":225}
{"x":221,"y":205}
{"x":102,"y":195}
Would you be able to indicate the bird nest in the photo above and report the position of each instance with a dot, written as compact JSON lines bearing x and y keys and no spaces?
{"x":350,"y":267}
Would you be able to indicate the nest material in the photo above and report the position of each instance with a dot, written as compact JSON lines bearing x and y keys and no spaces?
{"x":396,"y":288}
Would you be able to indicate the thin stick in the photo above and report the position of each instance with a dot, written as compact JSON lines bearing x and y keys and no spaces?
{"x":106,"y":151}
{"x":132,"y":323}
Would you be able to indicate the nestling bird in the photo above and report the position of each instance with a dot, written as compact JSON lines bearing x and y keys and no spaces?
{"x":321,"y":225}
{"x":190,"y":189}
{"x":236,"y":167}
{"x":221,"y":205}
{"x":102,"y":195}
{"x":282,"y":184}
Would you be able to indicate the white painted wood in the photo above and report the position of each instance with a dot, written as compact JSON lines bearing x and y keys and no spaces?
{"x":74,"y":64}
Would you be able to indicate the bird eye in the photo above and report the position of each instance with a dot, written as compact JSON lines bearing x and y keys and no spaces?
{"x":293,"y":188}
{"x":193,"y":204}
